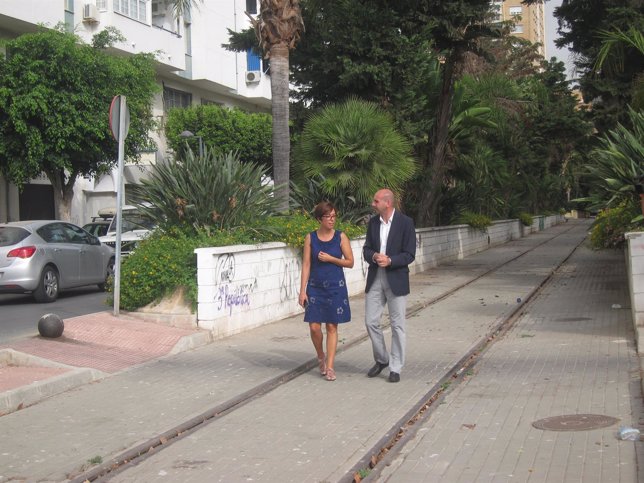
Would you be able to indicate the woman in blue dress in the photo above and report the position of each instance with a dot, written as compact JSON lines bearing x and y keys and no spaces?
{"x":323,"y":290}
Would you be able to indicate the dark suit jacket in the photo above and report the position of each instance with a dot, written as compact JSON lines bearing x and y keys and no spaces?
{"x":401,"y":248}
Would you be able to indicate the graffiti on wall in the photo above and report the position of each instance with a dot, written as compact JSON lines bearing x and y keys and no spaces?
{"x":289,"y":279}
{"x":225,"y":269}
{"x":231,"y":294}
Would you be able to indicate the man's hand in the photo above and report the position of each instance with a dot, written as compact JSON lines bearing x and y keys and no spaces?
{"x":382,"y":260}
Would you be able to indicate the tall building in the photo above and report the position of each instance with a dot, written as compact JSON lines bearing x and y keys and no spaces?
{"x":192,"y":68}
{"x":530,"y":20}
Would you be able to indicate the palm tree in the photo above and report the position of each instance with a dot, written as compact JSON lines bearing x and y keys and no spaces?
{"x":181,"y":6}
{"x":354,"y":149}
{"x":612,"y":55}
{"x":278,"y":29}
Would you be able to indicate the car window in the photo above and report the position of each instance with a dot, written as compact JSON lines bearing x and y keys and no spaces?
{"x":96,"y":229}
{"x":10,"y":235}
{"x":52,"y":233}
{"x":76,"y":235}
{"x":133,"y":220}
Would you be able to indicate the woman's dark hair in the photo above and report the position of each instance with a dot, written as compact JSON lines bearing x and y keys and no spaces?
{"x":323,"y":208}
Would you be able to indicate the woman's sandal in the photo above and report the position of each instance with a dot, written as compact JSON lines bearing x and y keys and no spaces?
{"x":322,"y":365}
{"x":330,"y":374}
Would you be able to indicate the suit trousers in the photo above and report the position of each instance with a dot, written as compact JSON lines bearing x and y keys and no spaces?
{"x":378,"y":295}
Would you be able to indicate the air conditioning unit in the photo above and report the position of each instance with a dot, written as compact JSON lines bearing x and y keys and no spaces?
{"x":253,"y":76}
{"x":90,"y":13}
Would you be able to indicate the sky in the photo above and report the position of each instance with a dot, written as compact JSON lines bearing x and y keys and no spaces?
{"x":551,"y":34}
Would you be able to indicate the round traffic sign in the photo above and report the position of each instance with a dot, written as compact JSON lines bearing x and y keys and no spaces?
{"x":115,"y":117}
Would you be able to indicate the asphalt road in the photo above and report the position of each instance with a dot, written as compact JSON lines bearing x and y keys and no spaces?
{"x":19,"y":314}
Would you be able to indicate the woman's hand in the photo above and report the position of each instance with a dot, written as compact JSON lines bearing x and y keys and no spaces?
{"x":325,"y":257}
{"x":303,"y":300}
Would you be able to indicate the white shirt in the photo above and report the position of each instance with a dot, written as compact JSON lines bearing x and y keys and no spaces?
{"x":384,"y":232}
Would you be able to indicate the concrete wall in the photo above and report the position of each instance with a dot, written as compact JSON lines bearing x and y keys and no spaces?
{"x":635,"y":274}
{"x":635,"y":271}
{"x":244,"y":286}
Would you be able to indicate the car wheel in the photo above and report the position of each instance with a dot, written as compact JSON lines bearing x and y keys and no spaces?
{"x":47,"y":290}
{"x":110,"y":273}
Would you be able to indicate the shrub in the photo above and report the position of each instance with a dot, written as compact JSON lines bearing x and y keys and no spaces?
{"x":525,"y":218}
{"x":292,"y":229}
{"x":306,"y":193}
{"x":611,"y":224}
{"x":475,"y":220}
{"x":248,"y":134}
{"x":616,"y":164}
{"x":205,"y":193}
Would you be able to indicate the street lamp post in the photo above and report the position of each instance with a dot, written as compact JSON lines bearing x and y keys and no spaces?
{"x":189,"y":134}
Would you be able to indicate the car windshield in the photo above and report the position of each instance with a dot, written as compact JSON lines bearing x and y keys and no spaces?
{"x":10,"y":235}
{"x":133,"y":220}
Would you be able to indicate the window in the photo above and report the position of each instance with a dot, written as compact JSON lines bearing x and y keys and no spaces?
{"x":515,"y":11}
{"x":101,"y":5}
{"x":495,"y":10}
{"x":135,"y":9}
{"x":517,"y":29}
{"x":175,"y":98}
{"x":251,"y":6}
{"x":69,"y":15}
{"x":253,"y":61}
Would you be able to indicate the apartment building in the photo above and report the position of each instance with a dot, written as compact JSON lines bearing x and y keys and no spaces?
{"x":530,"y":20}
{"x":192,"y":69}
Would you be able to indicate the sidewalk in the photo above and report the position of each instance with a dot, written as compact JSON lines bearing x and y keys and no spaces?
{"x":306,"y":429}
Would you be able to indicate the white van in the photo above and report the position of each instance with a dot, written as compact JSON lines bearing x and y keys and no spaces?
{"x":135,"y":227}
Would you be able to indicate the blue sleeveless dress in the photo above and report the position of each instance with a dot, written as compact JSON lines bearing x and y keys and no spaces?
{"x":327,"y":289}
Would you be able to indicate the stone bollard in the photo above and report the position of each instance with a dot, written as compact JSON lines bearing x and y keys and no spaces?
{"x":51,"y":326}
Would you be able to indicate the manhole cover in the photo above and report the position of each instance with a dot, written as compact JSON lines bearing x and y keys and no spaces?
{"x":575,"y":422}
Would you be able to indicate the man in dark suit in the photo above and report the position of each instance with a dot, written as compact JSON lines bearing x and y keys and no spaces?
{"x":389,"y":248}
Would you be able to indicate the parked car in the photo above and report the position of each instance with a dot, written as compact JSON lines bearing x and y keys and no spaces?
{"x":135,"y":227}
{"x":45,"y":257}
{"x":98,"y":226}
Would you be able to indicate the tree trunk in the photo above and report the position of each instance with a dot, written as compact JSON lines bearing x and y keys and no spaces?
{"x":63,"y":194}
{"x":280,"y":112}
{"x":430,"y":201}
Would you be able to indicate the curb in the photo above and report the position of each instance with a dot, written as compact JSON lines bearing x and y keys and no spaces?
{"x":35,"y":392}
{"x":21,"y":397}
{"x":192,"y":341}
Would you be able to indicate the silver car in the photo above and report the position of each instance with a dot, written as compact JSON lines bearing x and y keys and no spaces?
{"x":45,"y":257}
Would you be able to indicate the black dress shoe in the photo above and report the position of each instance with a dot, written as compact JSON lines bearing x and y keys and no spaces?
{"x":377,"y":369}
{"x":394,"y":377}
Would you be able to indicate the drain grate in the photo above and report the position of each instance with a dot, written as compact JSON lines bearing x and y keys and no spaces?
{"x":575,"y":422}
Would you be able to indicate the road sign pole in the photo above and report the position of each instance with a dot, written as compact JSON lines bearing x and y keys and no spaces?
{"x":120,"y":188}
